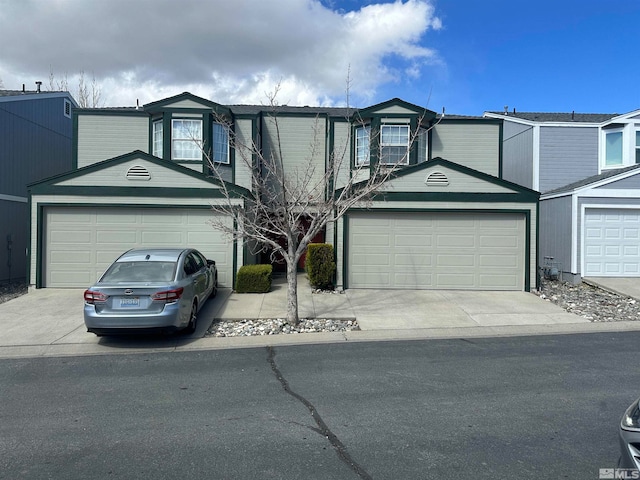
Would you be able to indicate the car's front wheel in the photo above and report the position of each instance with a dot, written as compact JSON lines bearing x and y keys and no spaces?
{"x":193,"y":319}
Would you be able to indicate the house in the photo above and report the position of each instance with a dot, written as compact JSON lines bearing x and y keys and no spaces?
{"x":586,"y":166}
{"x":35,"y":143}
{"x":446,"y":221}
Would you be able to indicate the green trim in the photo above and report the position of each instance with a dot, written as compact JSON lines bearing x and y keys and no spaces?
{"x":235,"y":257}
{"x":385,"y":196}
{"x":166,"y":137}
{"x":537,"y":246}
{"x":500,"y":147}
{"x":113,"y":112}
{"x":156,"y":192}
{"x":39,"y":245}
{"x":525,"y":212}
{"x":30,"y":240}
{"x":394,"y":102}
{"x":476,"y":120}
{"x":164,"y":104}
{"x":49,"y":184}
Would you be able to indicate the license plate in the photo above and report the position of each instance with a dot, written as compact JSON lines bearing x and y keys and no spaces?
{"x":129,"y":302}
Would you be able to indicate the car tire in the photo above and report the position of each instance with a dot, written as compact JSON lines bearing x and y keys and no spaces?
{"x":193,"y":320}
{"x":214,"y":290}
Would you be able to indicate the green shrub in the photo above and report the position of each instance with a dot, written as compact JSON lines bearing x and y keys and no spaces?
{"x":254,"y":279}
{"x":320,"y":265}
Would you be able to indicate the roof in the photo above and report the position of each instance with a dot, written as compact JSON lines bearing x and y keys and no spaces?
{"x":555,"y":117}
{"x":589,"y":180}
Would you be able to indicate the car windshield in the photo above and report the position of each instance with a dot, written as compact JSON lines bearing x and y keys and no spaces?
{"x":122,"y":272}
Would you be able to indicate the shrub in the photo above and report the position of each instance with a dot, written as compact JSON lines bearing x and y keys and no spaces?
{"x":320,"y":266}
{"x":254,"y":279}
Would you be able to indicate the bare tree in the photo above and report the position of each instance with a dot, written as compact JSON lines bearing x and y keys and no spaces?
{"x":87,"y":94}
{"x":296,"y":205}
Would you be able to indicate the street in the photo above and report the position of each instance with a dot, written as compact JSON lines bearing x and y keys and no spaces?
{"x":514,"y":407}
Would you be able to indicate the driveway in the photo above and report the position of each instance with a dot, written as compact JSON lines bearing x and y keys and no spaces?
{"x":628,"y":286}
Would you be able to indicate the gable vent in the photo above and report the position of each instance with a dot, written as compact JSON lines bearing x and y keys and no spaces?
{"x":138,"y":172}
{"x":437,"y":179}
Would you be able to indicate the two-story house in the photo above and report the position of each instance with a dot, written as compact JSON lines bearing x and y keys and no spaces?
{"x":35,"y":143}
{"x":587,"y":167}
{"x":447,"y":220}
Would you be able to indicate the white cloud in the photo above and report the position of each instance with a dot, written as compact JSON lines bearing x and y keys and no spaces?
{"x":230,"y":52}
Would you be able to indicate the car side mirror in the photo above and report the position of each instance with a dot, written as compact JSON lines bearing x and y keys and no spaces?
{"x":211,"y":262}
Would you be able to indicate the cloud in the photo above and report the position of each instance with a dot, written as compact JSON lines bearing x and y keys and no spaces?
{"x":231,"y":52}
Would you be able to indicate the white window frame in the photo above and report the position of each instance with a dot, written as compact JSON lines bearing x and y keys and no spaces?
{"x":192,"y":135}
{"x":637,"y":149}
{"x":606,"y":134}
{"x":362,"y":154}
{"x":389,"y":143}
{"x":158,"y":138}
{"x":220,"y":151}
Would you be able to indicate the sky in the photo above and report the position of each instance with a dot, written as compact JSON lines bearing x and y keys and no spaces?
{"x":464,"y":56}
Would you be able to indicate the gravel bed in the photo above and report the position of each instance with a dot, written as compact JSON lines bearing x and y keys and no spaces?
{"x":12,"y":290}
{"x":275,"y":326}
{"x":592,"y":303}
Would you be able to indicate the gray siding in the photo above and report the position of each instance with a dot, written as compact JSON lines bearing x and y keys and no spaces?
{"x":632,"y":182}
{"x":35,"y":143}
{"x":555,"y":231}
{"x":517,"y":154}
{"x":567,"y":155}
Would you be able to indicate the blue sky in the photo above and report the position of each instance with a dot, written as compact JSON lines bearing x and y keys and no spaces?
{"x":467,"y":56}
{"x":561,"y":55}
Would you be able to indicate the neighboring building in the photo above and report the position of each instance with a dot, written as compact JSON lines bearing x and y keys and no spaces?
{"x":35,"y":142}
{"x":586,"y":166}
{"x":446,"y":221}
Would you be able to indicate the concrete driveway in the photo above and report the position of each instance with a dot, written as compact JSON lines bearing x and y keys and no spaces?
{"x":49,"y":321}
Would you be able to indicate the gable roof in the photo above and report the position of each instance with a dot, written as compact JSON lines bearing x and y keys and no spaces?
{"x":592,"y":180}
{"x":47,"y":184}
{"x":557,"y":117}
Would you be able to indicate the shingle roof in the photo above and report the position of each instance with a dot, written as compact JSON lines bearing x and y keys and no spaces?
{"x":559,"y":116}
{"x":593,"y":179}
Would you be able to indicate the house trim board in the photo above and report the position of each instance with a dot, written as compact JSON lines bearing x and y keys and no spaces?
{"x":13,"y":198}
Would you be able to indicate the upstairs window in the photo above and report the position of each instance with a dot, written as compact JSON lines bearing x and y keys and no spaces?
{"x":363,"y":139}
{"x":220,"y":152}
{"x":613,"y":149}
{"x":186,"y":140}
{"x":637,"y":146}
{"x":157,"y":139}
{"x":394,"y":144}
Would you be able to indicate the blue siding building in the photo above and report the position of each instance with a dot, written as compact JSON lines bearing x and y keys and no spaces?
{"x":36,"y":131}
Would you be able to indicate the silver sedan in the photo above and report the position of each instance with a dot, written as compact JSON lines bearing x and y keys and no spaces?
{"x":145,"y":290}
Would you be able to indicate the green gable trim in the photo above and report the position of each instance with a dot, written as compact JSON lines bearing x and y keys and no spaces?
{"x":394,"y":102}
{"x":50,"y":182}
{"x":155,"y":192}
{"x":454,"y":197}
{"x":165,"y":105}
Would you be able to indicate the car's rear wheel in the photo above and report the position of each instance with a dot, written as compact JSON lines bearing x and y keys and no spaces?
{"x":193,"y":319}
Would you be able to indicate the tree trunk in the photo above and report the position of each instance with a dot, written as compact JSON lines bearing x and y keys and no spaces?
{"x":292,"y":293}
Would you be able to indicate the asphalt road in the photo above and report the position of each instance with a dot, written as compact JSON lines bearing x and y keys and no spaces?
{"x":521,"y":407}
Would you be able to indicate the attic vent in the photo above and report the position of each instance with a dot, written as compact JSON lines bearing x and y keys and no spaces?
{"x":67,"y":108}
{"x":437,"y":179}
{"x":138,"y":172}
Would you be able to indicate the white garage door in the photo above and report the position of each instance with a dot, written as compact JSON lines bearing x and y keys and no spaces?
{"x":612,"y":243}
{"x":436,"y":251}
{"x":81,"y":242}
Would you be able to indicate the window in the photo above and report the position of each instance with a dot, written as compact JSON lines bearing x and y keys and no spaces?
{"x":613,"y":149}
{"x":394,"y":144}
{"x":423,"y":145}
{"x":186,"y":140}
{"x":157,"y":139}
{"x":363,"y":137}
{"x":637,"y":146}
{"x":220,"y":143}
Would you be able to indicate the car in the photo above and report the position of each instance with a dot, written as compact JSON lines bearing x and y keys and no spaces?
{"x":629,"y":435}
{"x":150,"y":290}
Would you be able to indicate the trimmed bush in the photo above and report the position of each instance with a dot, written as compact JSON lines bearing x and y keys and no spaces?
{"x":254,"y":279}
{"x":320,"y":266}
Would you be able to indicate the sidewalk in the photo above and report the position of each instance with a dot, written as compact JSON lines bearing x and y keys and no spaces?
{"x":48,"y":322}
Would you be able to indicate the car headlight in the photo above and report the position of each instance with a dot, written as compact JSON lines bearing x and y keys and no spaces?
{"x":631,"y":418}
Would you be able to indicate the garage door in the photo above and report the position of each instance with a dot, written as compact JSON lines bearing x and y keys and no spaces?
{"x":612,"y":243}
{"x":436,"y":251}
{"x":81,"y":242}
